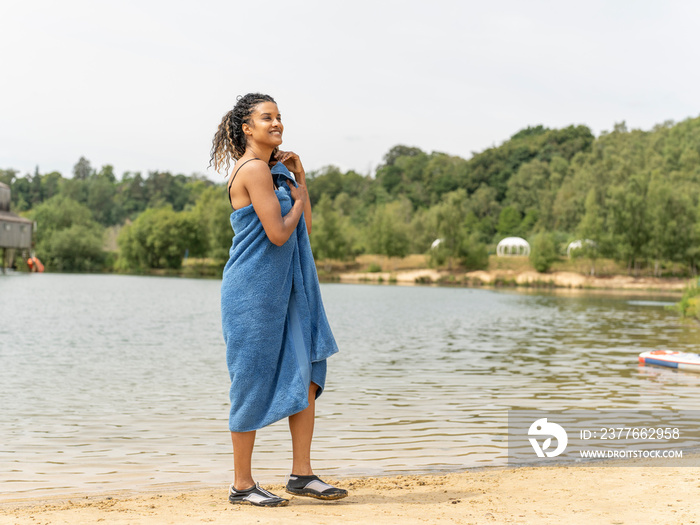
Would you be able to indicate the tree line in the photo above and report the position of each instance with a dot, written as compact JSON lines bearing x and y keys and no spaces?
{"x":628,"y":195}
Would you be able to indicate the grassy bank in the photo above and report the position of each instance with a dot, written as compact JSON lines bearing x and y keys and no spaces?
{"x":502,"y":271}
{"x":689,"y":305}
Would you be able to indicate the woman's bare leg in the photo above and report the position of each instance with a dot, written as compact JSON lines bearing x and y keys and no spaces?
{"x":242,"y":454}
{"x":301,"y":425}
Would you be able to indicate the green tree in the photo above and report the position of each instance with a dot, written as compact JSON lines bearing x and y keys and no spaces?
{"x":59,"y":213}
{"x":591,"y":230}
{"x":474,"y":254}
{"x":327,"y":182}
{"x":443,"y":174}
{"x":528,"y":186}
{"x":629,"y":221}
{"x":405,"y":175}
{"x":509,"y":222}
{"x":450,"y":216}
{"x":400,"y":150}
{"x":51,"y":185}
{"x":424,"y":230}
{"x":77,"y":248}
{"x":456,"y":229}
{"x":107,"y":172}
{"x":101,"y":200}
{"x":82,"y":169}
{"x":131,"y":195}
{"x":671,"y":218}
{"x":76,"y":189}
{"x":67,"y":239}
{"x":483,"y":205}
{"x":544,"y":252}
{"x":8,"y":176}
{"x":159,"y":238}
{"x":495,"y":166}
{"x":329,"y":236}
{"x":388,"y":230}
{"x":163,"y":188}
{"x":213,"y":212}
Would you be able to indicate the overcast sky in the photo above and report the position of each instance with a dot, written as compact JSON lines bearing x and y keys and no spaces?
{"x":143,"y":84}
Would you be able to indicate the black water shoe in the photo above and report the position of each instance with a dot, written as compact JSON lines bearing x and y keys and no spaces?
{"x":255,"y":496}
{"x":313,"y":487}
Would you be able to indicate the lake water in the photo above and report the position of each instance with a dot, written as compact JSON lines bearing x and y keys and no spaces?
{"x":118,"y":382}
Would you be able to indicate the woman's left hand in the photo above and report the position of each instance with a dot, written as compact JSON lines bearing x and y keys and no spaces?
{"x":291,"y":161}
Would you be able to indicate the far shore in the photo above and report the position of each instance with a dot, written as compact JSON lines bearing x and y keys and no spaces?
{"x":515,"y":272}
{"x":505,"y":272}
{"x":534,"y":495}
{"x":528,"y":278}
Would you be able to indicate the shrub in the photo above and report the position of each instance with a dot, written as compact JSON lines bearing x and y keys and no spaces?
{"x":543,"y":252}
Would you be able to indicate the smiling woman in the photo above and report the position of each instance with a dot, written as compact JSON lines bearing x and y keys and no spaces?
{"x":275,"y":327}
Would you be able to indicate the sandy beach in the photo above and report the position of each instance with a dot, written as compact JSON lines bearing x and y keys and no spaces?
{"x":569,"y":280}
{"x":614,"y":495}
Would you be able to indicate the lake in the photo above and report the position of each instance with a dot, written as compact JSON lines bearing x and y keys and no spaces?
{"x":112,"y":382}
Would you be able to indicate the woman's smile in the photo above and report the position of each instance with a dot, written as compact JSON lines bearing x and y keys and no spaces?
{"x":266,"y":121}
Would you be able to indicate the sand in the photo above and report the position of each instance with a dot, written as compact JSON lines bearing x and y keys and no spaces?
{"x":525,"y":278}
{"x":573,"y":495}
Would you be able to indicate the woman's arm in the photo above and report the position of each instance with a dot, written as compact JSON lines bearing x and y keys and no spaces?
{"x":258,"y":183}
{"x":293,"y":163}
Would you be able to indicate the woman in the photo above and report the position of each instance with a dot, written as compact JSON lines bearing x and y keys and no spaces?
{"x":276,"y":332}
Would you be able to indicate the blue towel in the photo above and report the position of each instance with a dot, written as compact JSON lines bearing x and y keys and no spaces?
{"x":275,"y":328}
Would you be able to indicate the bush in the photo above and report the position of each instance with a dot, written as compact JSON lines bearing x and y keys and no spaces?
{"x":688,"y":305}
{"x":544,"y":252}
{"x":159,"y":238}
{"x":473,"y":254}
{"x":75,"y":249}
{"x":67,"y":238}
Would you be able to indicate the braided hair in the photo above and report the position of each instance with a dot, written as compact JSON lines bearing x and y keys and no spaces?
{"x":229,"y":141}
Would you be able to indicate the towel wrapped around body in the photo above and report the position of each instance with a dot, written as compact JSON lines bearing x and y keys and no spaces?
{"x":274,"y":324}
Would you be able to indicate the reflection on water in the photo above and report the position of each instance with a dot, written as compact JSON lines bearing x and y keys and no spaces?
{"x":114,"y":382}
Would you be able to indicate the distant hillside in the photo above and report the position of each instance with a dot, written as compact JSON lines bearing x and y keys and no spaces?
{"x":633,"y":194}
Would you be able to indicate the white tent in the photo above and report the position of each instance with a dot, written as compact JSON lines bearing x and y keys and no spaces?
{"x":513,"y":246}
{"x":578,"y":244}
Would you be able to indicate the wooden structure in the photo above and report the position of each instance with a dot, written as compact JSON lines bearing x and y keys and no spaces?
{"x":15,"y":231}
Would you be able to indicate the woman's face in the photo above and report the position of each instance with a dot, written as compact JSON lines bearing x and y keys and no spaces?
{"x":265,"y":125}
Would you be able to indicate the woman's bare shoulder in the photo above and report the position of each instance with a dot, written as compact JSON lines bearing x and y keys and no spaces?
{"x":253,"y":178}
{"x":256,"y":174}
{"x":251,"y":168}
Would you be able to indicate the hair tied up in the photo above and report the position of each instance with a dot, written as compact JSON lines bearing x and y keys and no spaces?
{"x":229,"y":140}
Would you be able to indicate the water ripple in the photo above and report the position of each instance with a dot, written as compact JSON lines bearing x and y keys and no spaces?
{"x":111,"y":382}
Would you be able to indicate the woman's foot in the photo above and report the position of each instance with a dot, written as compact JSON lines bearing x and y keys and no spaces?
{"x":255,"y":496}
{"x":313,"y":487}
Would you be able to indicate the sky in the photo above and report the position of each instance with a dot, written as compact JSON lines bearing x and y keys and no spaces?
{"x":142,"y":85}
